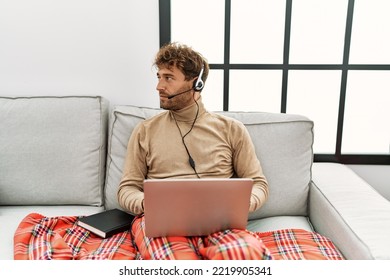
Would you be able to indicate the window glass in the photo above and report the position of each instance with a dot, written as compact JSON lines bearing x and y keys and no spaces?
{"x":255,"y":90}
{"x":318,"y":31}
{"x":212,"y":94}
{"x":315,"y":94}
{"x":257,"y":31}
{"x":370,"y":42}
{"x":200,"y":24}
{"x":367,"y":115}
{"x":317,"y":37}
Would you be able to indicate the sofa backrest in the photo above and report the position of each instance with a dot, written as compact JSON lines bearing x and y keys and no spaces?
{"x":283,"y":145}
{"x":52,"y":150}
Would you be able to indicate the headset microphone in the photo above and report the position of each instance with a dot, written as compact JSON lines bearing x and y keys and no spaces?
{"x":174,"y":95}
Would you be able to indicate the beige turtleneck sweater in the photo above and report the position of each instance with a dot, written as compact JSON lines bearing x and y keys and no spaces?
{"x":220,"y":146}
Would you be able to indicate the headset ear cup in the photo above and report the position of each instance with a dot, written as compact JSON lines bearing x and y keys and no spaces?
{"x":198,"y":85}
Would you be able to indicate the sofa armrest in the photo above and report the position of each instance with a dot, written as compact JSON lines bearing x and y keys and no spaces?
{"x":345,"y":208}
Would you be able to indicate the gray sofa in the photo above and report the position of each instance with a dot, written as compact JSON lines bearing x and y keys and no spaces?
{"x":63,"y":156}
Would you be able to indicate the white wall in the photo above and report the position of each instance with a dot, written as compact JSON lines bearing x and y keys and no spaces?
{"x":76,"y":47}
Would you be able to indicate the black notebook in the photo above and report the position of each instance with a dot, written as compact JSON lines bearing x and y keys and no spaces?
{"x":107,"y":223}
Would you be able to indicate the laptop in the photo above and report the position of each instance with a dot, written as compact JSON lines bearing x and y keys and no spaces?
{"x":195,"y":207}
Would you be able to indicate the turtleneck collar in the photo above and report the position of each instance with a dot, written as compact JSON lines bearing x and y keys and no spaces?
{"x":188,"y":113}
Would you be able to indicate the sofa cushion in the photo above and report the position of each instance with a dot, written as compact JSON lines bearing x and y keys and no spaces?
{"x":52,"y":150}
{"x":280,"y":222}
{"x":283,"y":144}
{"x":123,"y":120}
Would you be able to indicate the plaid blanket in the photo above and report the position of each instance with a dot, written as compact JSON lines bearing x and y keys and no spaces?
{"x":42,"y":238}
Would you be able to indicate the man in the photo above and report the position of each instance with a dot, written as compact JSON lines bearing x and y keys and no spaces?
{"x":187,"y":141}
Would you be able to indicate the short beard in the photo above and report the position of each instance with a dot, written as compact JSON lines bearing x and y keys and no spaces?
{"x":176,"y":103}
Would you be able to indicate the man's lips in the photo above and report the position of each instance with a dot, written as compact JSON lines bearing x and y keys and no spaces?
{"x":164,"y":96}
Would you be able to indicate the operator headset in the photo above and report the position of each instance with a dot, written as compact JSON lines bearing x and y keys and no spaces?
{"x":198,"y":86}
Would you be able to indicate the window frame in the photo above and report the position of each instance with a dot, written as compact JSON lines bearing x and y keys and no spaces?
{"x":344,"y":67}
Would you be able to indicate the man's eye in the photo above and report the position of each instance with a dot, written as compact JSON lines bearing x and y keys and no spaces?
{"x":165,"y":78}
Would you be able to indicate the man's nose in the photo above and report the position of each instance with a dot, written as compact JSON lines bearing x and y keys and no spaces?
{"x":160,"y":85}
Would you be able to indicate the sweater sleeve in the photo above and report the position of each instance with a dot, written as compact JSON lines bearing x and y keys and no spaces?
{"x":247,"y":165}
{"x":130,"y":192}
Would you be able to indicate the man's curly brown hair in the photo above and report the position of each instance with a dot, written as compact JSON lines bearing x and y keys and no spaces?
{"x":188,"y":61}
